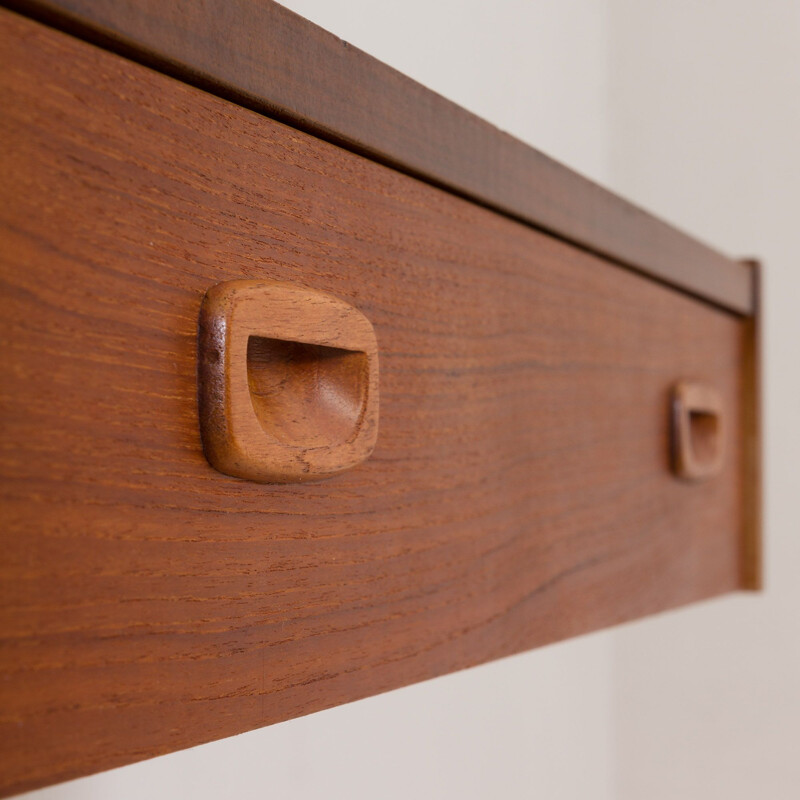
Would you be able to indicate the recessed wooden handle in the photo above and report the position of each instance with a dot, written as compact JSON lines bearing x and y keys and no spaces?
{"x":288,"y":382}
{"x":698,"y":431}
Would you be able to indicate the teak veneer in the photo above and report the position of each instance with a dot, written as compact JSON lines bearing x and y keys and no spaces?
{"x":521,"y":489}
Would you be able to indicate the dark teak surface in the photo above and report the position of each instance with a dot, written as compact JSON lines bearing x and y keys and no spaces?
{"x":519,"y":493}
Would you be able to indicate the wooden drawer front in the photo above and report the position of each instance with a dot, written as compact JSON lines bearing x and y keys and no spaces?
{"x":520,"y":491}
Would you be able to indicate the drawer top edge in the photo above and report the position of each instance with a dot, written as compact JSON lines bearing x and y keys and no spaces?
{"x":264,"y":56}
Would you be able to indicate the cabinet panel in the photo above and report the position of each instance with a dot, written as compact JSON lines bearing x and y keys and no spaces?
{"x":520,"y":491}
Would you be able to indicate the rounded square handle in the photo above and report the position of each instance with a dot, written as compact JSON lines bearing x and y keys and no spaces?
{"x":698,"y":431}
{"x":287,"y":382}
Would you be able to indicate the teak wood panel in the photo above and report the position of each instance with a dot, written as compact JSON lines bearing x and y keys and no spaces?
{"x":519,"y":493}
{"x":265,"y":56}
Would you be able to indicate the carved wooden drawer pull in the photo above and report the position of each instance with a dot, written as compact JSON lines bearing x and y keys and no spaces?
{"x":698,"y":431}
{"x":288,"y":382}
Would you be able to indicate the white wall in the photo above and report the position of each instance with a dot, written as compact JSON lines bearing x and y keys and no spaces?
{"x":536,"y":725}
{"x":705,"y":111}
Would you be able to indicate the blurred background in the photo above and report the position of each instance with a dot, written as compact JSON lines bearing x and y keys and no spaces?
{"x":692,"y":110}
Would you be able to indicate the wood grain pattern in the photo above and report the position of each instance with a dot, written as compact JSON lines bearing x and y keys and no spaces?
{"x":519,"y":493}
{"x":262,"y":55}
{"x":287,"y":382}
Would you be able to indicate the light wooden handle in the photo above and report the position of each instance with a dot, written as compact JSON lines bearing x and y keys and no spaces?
{"x":288,"y":382}
{"x":698,"y":431}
